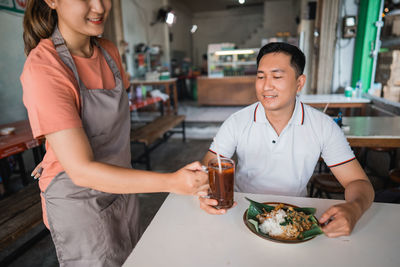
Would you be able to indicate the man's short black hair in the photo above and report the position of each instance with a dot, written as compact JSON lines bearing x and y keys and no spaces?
{"x":298,"y":59}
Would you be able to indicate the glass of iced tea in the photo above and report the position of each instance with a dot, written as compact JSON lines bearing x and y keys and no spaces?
{"x":221,"y":182}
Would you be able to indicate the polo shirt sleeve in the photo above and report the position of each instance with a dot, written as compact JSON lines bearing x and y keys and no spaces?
{"x":335,"y":149}
{"x":226,"y":138}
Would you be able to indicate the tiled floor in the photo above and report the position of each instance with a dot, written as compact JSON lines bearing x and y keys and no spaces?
{"x":178,"y":155}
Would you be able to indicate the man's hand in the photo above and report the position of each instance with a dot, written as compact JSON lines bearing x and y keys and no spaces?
{"x":340,"y":219}
{"x":207,"y":204}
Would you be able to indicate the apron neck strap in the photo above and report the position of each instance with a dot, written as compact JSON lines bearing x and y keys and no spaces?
{"x":65,"y":55}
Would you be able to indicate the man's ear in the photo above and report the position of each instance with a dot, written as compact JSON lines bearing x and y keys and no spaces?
{"x":301,"y":80}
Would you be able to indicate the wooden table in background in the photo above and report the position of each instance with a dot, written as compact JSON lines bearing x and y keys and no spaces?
{"x":19,"y":141}
{"x":226,"y":91}
{"x":167,"y":84}
{"x":135,"y":104}
{"x":372,"y":131}
{"x":16,"y":143}
{"x":335,"y":101}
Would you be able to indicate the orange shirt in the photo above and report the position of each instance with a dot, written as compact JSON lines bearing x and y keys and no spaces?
{"x":50,"y":93}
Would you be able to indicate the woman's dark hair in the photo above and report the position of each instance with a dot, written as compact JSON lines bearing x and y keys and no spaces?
{"x":39,"y":23}
{"x":298,"y":60}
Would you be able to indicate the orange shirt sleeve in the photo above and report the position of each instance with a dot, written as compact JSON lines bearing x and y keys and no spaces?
{"x":49,"y":94}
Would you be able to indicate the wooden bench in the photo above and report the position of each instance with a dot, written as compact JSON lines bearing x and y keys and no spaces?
{"x":20,"y":213}
{"x":154,"y":133}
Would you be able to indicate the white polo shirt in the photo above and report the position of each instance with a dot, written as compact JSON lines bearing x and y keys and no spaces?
{"x":282,"y":165}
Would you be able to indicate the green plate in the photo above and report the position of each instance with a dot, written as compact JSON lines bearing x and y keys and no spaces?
{"x":255,"y":208}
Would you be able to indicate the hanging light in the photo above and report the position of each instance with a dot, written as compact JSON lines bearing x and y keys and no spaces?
{"x":164,"y":14}
{"x":234,"y":52}
{"x":170,"y":18}
{"x":242,"y":2}
{"x":194,"y":28}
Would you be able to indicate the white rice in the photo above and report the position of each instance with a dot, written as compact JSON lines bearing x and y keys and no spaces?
{"x":271,"y":226}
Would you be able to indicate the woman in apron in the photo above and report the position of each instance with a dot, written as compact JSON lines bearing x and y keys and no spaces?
{"x":74,"y":91}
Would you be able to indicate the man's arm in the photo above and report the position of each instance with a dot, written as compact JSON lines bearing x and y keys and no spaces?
{"x":207,"y":157}
{"x":359,"y":195}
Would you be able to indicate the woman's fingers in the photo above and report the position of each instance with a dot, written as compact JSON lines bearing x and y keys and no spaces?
{"x":37,"y":172}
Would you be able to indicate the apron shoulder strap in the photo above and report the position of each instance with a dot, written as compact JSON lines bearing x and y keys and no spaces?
{"x":65,"y":55}
{"x":111,"y":63}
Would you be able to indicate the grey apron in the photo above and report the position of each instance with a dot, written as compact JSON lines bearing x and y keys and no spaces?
{"x":89,"y":227}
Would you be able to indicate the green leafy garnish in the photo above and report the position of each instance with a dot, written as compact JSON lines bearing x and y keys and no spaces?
{"x":256,"y":208}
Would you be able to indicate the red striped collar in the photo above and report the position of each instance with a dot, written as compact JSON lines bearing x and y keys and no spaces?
{"x":255,"y":112}
{"x":297,"y":117}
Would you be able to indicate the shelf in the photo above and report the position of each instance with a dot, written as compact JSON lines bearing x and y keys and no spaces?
{"x":234,"y":63}
{"x":239,"y":62}
{"x":389,"y":42}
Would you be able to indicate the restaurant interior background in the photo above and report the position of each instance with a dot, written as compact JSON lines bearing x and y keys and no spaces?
{"x":210,"y":46}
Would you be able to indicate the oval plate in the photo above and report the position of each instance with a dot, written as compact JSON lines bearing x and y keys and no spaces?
{"x":274,"y":239}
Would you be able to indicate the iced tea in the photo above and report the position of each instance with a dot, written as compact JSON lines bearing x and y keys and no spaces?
{"x":221,"y":183}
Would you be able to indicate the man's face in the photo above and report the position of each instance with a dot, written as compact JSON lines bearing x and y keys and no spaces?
{"x":276,"y":83}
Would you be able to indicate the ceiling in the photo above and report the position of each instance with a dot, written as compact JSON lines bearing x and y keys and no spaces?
{"x":214,"y":5}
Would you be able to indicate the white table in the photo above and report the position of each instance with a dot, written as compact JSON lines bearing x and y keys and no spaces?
{"x":183,"y":235}
{"x":372,"y":131}
{"x":335,"y":101}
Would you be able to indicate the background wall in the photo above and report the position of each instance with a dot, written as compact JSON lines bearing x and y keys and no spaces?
{"x":181,"y":37}
{"x":244,"y":26}
{"x":11,"y":64}
{"x":344,"y":51}
{"x":137,"y":16}
{"x":233,"y":25}
{"x":280,"y":16}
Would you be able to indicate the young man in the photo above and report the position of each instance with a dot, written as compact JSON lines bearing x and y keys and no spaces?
{"x":279,"y":140}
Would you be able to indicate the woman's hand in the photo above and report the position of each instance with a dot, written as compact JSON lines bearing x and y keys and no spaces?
{"x":37,"y":172}
{"x":340,"y":219}
{"x":190,"y":180}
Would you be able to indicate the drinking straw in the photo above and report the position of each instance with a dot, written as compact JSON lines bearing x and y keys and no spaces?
{"x":326,"y":107}
{"x":218,"y":157}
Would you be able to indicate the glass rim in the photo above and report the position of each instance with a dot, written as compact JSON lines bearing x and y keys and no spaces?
{"x":222,"y":160}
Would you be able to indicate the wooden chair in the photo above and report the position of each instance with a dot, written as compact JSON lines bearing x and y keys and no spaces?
{"x":394,"y":175}
{"x":391,"y":194}
{"x":390,"y":150}
{"x":324,"y":184}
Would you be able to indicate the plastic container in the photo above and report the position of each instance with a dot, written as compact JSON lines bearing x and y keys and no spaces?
{"x":138,"y":93}
{"x":144,"y":92}
{"x":348,"y":91}
{"x":358,"y":89}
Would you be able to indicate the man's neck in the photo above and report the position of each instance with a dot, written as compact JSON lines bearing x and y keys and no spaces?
{"x":280,"y":118}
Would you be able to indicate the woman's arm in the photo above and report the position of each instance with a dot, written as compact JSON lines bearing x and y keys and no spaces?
{"x":73,"y":151}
